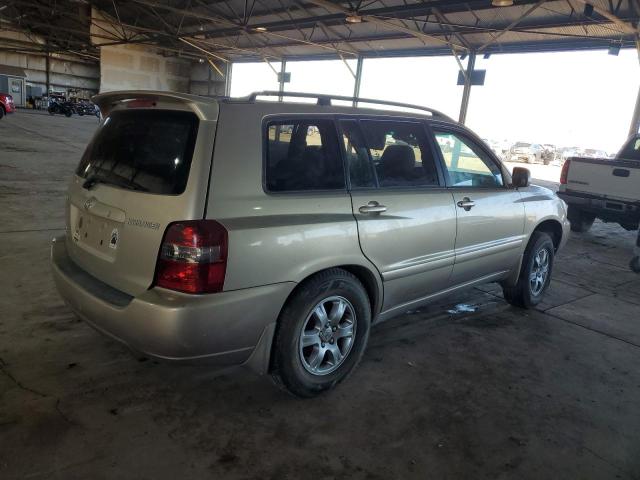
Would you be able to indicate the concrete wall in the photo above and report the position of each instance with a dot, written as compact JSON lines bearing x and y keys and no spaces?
{"x":205,"y":80}
{"x":65,"y":71}
{"x":124,"y":67}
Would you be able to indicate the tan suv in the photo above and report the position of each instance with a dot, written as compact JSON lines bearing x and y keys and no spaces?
{"x":275,"y":234}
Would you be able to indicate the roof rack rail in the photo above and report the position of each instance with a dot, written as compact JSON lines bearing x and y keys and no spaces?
{"x":325,"y":99}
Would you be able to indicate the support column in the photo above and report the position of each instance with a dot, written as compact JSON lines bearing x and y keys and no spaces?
{"x":47,"y":67}
{"x":635,"y":120}
{"x":227,"y":78}
{"x":471,"y":63}
{"x":356,"y":87}
{"x":283,"y":70}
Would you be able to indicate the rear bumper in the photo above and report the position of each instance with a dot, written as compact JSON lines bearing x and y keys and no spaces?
{"x":605,"y":208}
{"x":224,"y":328}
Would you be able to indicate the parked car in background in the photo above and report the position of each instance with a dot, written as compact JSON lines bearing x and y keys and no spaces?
{"x":199,"y":229}
{"x":549,"y":153}
{"x":6,"y":104}
{"x":603,"y":188}
{"x":526,"y":152}
{"x":593,"y":153}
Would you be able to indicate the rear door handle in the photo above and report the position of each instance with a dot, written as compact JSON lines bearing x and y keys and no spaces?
{"x":466,"y":203}
{"x":372,"y":207}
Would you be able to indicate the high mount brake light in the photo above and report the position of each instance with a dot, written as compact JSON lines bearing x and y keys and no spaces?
{"x":193,"y":257}
{"x":141,"y":103}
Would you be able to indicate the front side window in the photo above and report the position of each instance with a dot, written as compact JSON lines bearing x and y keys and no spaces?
{"x":466,"y":163}
{"x":303,"y":155}
{"x":388,"y":154}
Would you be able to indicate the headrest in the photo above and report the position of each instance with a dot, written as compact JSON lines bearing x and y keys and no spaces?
{"x":398,"y":161}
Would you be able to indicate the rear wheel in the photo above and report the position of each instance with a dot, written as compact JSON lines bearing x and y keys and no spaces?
{"x":1,"y":112}
{"x":580,"y":220}
{"x":322,"y":333}
{"x":535,"y":272}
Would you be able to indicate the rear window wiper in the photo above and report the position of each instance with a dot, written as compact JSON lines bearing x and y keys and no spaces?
{"x":93,"y":180}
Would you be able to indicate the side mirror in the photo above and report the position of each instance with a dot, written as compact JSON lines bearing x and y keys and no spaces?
{"x":520,"y":177}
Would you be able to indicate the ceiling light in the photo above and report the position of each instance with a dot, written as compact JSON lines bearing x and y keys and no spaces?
{"x":260,"y":29}
{"x":502,"y":3}
{"x":353,"y":18}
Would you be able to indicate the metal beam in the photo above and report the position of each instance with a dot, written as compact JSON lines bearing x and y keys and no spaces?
{"x":627,"y":28}
{"x":332,"y":7}
{"x":466,"y":93}
{"x":509,"y":27}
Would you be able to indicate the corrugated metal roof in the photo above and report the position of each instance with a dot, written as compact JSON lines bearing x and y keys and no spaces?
{"x":275,"y":29}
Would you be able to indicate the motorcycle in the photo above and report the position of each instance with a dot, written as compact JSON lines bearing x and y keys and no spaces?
{"x":62,"y":108}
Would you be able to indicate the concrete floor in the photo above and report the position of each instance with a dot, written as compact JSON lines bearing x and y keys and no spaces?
{"x":494,"y":392}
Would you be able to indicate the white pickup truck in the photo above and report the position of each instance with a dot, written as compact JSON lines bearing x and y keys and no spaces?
{"x":608,"y":189}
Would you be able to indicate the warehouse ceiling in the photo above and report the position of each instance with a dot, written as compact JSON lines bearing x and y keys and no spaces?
{"x":232,"y":30}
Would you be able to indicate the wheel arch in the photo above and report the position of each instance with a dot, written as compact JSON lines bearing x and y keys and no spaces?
{"x":553,"y":228}
{"x":371,"y":281}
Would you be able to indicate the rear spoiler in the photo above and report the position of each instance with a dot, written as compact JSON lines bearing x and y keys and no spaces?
{"x":206,"y":108}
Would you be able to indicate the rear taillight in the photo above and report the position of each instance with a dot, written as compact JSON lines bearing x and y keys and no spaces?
{"x":565,"y":172}
{"x":193,"y":257}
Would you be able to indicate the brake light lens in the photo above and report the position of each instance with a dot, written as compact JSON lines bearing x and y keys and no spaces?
{"x":565,"y":172}
{"x":193,"y":257}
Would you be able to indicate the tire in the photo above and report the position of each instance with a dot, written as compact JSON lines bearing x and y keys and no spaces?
{"x":293,"y":366}
{"x":51,"y":111}
{"x":580,"y":220}
{"x":527,"y":294}
{"x":634,"y":264}
{"x":68,"y":113}
{"x":1,"y":112}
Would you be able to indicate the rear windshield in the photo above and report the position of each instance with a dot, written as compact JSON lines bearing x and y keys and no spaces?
{"x":145,"y":150}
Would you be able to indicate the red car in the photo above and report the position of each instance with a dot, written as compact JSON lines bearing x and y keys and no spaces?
{"x":6,"y":104}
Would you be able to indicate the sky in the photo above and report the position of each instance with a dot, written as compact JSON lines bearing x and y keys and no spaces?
{"x":582,"y":99}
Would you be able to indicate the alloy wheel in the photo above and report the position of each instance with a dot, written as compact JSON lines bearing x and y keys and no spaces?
{"x":539,"y":272}
{"x":327,"y":335}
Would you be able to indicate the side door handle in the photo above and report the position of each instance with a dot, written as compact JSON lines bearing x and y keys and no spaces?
{"x":372,"y":207}
{"x":466,"y":203}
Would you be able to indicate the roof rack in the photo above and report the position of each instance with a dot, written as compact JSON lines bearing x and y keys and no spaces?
{"x":325,"y":99}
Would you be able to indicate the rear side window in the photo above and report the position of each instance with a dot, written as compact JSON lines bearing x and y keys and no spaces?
{"x":145,"y":150}
{"x":303,"y":155}
{"x":389,"y":153}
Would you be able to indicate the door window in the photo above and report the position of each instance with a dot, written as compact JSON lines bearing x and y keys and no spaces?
{"x":467,"y":164}
{"x":388,"y":154}
{"x":303,"y":155}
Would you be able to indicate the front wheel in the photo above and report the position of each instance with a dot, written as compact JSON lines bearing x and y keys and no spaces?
{"x":535,"y":273}
{"x":322,"y":333}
